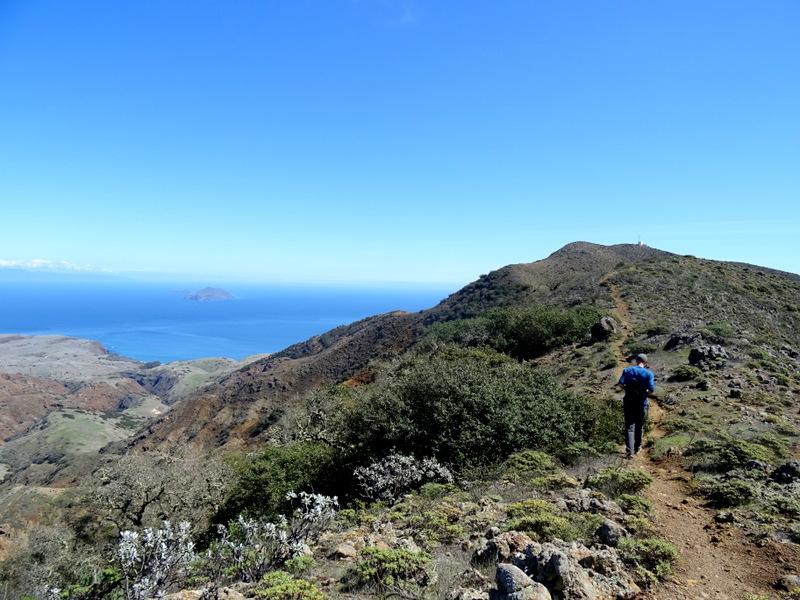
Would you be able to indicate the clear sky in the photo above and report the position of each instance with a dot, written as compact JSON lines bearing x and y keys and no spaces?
{"x":394,"y":140}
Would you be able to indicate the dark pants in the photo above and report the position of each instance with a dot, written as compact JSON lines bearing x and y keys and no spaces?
{"x":635,"y":417}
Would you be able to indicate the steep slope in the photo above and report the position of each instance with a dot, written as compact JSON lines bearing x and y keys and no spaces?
{"x":237,"y":412}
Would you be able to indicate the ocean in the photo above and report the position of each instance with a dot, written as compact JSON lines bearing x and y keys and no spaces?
{"x":152,"y":321}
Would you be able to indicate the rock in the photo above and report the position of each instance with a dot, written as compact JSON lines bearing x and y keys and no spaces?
{"x":510,"y":578}
{"x":677,"y":340}
{"x":514,"y":584}
{"x":603,"y":329}
{"x":707,"y":352}
{"x":571,"y":570}
{"x":343,"y":552}
{"x":463,"y":593}
{"x":502,"y":547}
{"x":586,"y":500}
{"x":610,"y":532}
{"x":788,"y":583}
{"x":787,"y":473}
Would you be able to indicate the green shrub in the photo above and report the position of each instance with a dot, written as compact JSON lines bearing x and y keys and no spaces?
{"x":572,"y":454}
{"x":652,"y":558}
{"x":384,"y":569}
{"x":614,"y":482}
{"x":726,"y":453}
{"x":786,"y":505}
{"x":530,"y":463}
{"x":280,"y":585}
{"x":264,"y":480}
{"x":686,"y":373}
{"x":635,"y":505}
{"x":464,"y":407}
{"x":539,"y":520}
{"x":656,"y":328}
{"x":523,"y":333}
{"x":727,"y":494}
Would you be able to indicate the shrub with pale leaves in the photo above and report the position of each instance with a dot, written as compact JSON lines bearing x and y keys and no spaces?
{"x":391,"y":477}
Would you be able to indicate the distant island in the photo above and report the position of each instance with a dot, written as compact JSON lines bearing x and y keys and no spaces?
{"x":209,"y":294}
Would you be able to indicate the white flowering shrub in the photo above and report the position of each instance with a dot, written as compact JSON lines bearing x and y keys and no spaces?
{"x":155,"y":560}
{"x":250,"y":548}
{"x":396,"y":474}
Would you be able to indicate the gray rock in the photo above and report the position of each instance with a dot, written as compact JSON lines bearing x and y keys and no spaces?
{"x":571,"y":570}
{"x":510,"y":578}
{"x":514,"y":584}
{"x":603,"y":329}
{"x":788,"y":582}
{"x":707,"y":352}
{"x":610,"y":532}
{"x":787,"y":473}
{"x":502,"y":547}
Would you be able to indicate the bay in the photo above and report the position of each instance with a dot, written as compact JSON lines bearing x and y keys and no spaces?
{"x":152,"y":321}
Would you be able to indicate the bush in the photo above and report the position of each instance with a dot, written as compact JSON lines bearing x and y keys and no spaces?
{"x":686,"y":373}
{"x":727,"y":494}
{"x":539,"y":520}
{"x":786,"y":505}
{"x":249,"y":548}
{"x":635,"y":505}
{"x":466,"y":408}
{"x":155,"y":561}
{"x":523,"y":333}
{"x":529,"y":464}
{"x":614,"y":482}
{"x":651,"y":557}
{"x":726,"y":454}
{"x":386,"y":569}
{"x":264,"y":480}
{"x":280,"y":585}
{"x":395,"y":475}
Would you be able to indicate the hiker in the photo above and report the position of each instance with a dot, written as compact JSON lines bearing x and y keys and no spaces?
{"x":638,"y":382}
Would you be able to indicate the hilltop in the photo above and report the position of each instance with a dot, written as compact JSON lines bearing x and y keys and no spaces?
{"x":503,"y":384}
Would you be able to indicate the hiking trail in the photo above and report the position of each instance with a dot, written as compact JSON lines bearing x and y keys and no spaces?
{"x":716,"y":561}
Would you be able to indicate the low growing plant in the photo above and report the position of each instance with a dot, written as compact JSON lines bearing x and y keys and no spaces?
{"x":652,"y":558}
{"x":387,"y":569}
{"x":614,"y":482}
{"x":727,"y":494}
{"x":280,"y":585}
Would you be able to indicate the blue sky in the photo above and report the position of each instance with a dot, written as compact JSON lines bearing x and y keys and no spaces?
{"x":386,"y":140}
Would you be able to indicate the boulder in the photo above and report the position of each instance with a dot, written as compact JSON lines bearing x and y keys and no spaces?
{"x":571,"y":570}
{"x":610,"y":532}
{"x":514,"y":584}
{"x":603,"y":329}
{"x":501,"y":547}
{"x":707,"y":352}
{"x":586,"y":500}
{"x":787,"y":473}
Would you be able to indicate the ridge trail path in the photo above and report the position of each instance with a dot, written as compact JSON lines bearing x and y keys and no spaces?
{"x":716,"y":561}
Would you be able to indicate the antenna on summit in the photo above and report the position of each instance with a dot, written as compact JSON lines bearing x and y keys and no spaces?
{"x":640,"y":240}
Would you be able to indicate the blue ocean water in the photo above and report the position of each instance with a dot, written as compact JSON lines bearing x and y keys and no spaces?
{"x":152,"y":321}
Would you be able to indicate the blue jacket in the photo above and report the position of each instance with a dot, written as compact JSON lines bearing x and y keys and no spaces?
{"x":643,"y":381}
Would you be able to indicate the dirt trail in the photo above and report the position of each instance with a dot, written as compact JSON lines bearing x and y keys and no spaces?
{"x":716,"y":561}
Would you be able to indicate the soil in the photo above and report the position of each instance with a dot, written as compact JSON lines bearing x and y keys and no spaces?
{"x":716,"y":560}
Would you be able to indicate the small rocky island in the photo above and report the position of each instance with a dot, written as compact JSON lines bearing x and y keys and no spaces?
{"x":209,"y":294}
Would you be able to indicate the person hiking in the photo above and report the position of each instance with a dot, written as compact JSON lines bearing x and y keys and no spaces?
{"x":638,"y":383}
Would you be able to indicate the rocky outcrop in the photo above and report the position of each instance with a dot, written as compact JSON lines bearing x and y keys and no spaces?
{"x":514,"y":584}
{"x":565,"y":569}
{"x":603,"y":329}
{"x":571,"y":570}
